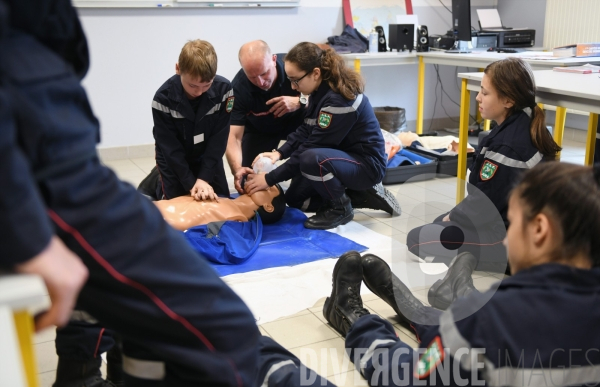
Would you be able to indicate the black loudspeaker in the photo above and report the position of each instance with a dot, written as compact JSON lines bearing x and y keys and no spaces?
{"x":382,"y":46}
{"x":402,"y":37}
{"x":422,"y":39}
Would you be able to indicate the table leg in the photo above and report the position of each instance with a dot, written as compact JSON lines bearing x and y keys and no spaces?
{"x":590,"y":146}
{"x":463,"y":138}
{"x":486,"y":125}
{"x":478,"y":117}
{"x":357,"y":65}
{"x":24,"y":328}
{"x":420,"y":96}
{"x":559,"y":126}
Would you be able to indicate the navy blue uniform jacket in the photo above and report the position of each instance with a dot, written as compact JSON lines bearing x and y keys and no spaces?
{"x":502,"y":156}
{"x":25,"y":229}
{"x":540,"y":328}
{"x":353,"y":128}
{"x":250,"y":104}
{"x":188,"y":142}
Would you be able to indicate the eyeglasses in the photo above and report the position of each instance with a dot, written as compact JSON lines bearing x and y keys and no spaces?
{"x":296,"y":81}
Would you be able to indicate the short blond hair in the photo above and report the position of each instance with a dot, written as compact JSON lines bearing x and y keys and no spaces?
{"x":199,"y":60}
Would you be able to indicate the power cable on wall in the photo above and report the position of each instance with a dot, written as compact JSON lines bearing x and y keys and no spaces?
{"x":442,"y":92}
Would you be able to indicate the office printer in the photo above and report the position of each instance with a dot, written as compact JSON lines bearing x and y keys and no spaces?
{"x":490,"y":22}
{"x":516,"y":37}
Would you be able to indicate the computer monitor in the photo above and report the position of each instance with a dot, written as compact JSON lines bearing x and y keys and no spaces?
{"x":461,"y":25}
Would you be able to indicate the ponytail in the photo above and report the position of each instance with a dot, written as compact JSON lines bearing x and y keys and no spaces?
{"x":513,"y":79}
{"x":340,"y":77}
{"x":540,"y":136}
{"x":343,"y":80}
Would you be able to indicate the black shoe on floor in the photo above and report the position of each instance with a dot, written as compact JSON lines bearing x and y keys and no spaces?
{"x":379,"y":278}
{"x":338,"y":212}
{"x":457,"y":282}
{"x":148,"y":186}
{"x":375,"y":198}
{"x":345,"y":306}
{"x":80,"y":373}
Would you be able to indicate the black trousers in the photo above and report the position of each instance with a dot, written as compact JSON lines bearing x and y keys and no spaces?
{"x":254,"y":143}
{"x":445,"y":240}
{"x":325,"y":175}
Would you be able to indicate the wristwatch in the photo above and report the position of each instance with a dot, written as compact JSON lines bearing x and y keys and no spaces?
{"x":303,"y":99}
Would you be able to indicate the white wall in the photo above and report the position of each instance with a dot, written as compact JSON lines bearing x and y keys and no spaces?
{"x":133,"y":51}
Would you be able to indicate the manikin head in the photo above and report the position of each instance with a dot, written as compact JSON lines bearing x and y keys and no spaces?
{"x":271,"y":204}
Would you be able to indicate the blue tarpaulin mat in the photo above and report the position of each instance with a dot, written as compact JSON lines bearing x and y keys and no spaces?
{"x":288,"y":243}
{"x":406,"y":157}
{"x":227,"y":242}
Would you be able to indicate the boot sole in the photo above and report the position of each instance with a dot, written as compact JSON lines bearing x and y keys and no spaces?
{"x":375,"y":198}
{"x":433,"y":301}
{"x":436,"y":285}
{"x":391,"y":205}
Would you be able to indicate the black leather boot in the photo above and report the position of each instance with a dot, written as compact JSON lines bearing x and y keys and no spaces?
{"x":457,"y":282}
{"x":379,"y":278}
{"x":345,"y":306}
{"x":114,"y":366}
{"x":337,"y":213}
{"x":148,"y":186}
{"x":80,"y":373}
{"x":375,"y":198}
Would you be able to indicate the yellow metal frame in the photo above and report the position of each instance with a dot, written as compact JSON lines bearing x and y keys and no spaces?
{"x":559,"y":126}
{"x":465,"y":98}
{"x":590,"y":145}
{"x":357,"y":65}
{"x":420,"y":96}
{"x":25,"y":329}
{"x":486,"y":125}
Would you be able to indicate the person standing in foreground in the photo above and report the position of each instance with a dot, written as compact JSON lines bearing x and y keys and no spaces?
{"x":70,"y":220}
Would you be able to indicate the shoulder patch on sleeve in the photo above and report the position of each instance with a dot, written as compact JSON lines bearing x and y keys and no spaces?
{"x":229,"y":104}
{"x":324,"y":120}
{"x":488,"y":170}
{"x":433,"y":356}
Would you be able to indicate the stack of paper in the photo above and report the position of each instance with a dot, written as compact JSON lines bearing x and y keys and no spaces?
{"x":585,"y":69}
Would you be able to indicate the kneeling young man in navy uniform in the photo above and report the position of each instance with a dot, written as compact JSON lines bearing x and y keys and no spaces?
{"x":191,"y":125}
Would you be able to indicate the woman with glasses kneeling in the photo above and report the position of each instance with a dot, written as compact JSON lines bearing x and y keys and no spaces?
{"x":339,"y":145}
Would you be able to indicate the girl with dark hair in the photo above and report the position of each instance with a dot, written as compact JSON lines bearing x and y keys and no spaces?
{"x":536,"y":328}
{"x":519,"y":141}
{"x":339,"y":145}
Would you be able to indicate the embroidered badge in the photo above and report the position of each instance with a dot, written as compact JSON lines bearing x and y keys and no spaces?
{"x":433,"y":356}
{"x":488,"y":170}
{"x":229,"y":105}
{"x":324,"y":120}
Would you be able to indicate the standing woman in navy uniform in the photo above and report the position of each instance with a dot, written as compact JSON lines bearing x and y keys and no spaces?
{"x":518,"y":142}
{"x":338,"y":146}
{"x":191,"y":126}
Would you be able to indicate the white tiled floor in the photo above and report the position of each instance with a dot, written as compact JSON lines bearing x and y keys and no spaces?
{"x":307,"y":330}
